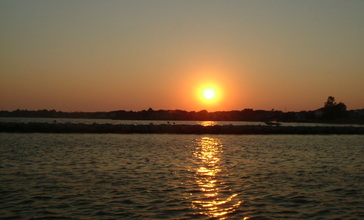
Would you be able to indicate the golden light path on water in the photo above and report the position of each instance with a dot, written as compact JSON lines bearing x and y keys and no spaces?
{"x":208,"y":123}
{"x":214,"y":201}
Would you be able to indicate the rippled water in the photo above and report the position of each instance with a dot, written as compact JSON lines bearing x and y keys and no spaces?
{"x":88,"y":176}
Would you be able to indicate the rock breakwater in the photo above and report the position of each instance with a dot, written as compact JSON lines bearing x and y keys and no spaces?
{"x":174,"y":129}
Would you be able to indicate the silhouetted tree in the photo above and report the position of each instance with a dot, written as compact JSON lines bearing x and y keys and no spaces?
{"x":333,"y":111}
{"x":330,"y":102}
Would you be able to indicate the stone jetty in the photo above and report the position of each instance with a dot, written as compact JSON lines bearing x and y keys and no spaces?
{"x":36,"y":127}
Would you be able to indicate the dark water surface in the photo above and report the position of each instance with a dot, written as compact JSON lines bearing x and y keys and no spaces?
{"x":102,"y":176}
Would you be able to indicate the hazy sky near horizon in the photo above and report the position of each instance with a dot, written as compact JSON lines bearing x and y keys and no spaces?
{"x":91,"y":55}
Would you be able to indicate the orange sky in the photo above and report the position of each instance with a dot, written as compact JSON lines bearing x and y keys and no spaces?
{"x":132,"y":55}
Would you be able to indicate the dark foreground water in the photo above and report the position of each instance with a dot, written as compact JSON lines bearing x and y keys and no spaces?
{"x":88,"y":176}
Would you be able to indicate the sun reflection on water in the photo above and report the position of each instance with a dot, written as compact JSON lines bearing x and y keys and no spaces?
{"x":207,"y":123}
{"x":214,"y":199}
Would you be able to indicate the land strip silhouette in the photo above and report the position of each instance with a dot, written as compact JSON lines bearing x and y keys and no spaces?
{"x":36,"y":127}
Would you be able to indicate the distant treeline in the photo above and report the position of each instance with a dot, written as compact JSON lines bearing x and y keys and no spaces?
{"x":334,"y":114}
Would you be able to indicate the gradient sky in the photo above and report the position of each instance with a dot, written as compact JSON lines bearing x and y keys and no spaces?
{"x":110,"y":55}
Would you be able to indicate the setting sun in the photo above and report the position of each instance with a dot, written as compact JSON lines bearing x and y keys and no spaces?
{"x":209,"y":94}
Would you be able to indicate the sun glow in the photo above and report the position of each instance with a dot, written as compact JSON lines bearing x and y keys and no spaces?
{"x":209,"y":94}
{"x":210,"y":88}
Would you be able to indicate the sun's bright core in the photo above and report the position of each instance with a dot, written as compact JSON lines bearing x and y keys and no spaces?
{"x":209,"y":94}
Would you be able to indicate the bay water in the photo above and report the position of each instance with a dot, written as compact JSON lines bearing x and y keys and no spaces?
{"x":155,"y":176}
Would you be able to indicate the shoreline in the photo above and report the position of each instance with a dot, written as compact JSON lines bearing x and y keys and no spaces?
{"x":37,"y":127}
